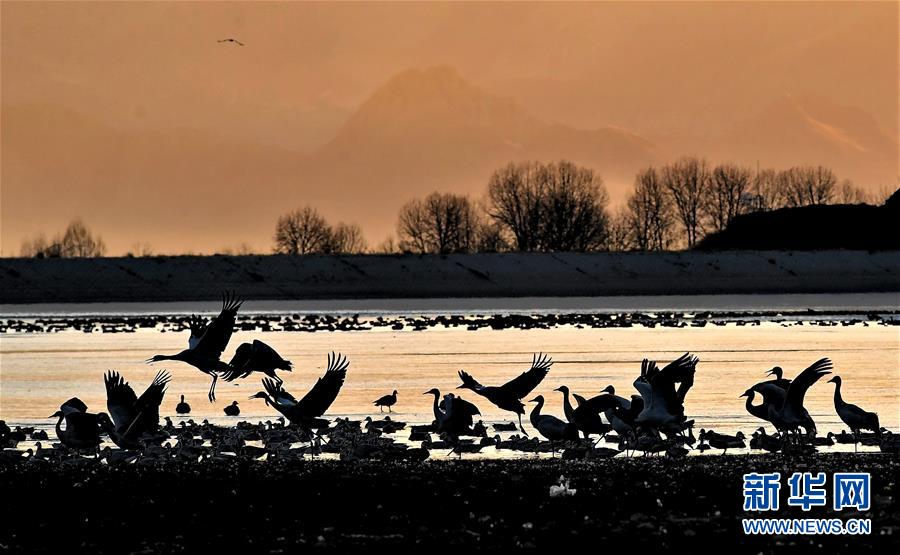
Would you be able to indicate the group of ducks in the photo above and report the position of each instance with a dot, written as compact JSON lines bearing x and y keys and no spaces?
{"x":651,"y":421}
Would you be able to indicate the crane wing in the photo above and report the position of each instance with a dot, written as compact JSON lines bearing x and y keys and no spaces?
{"x":797,"y":390}
{"x":528,"y":380}
{"x":219,"y":331}
{"x":323,"y":394}
{"x":120,"y":399}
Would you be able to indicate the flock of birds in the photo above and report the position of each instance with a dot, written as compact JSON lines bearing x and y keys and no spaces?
{"x":653,"y":420}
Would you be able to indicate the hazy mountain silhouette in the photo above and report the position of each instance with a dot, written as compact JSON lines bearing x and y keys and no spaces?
{"x":430,"y":128}
{"x":814,"y":130}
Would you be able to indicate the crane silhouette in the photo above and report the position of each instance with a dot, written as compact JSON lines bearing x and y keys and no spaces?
{"x":509,"y":395}
{"x":255,"y":357}
{"x":133,"y":416}
{"x":852,"y":415}
{"x":231,"y":40}
{"x":453,"y":415}
{"x":83,"y":429}
{"x":785,"y":408}
{"x":207,"y":341}
{"x":314,"y":404}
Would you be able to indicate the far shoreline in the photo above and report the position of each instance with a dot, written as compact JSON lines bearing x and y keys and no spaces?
{"x":465,"y":279}
{"x":751,"y":303}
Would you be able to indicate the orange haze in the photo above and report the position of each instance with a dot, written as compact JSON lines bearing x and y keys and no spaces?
{"x":133,"y":117}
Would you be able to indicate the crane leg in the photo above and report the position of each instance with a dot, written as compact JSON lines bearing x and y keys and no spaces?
{"x":212,"y":388}
{"x":521,"y":427}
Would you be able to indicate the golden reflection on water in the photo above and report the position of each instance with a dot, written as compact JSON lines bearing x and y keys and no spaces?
{"x":39,"y":371}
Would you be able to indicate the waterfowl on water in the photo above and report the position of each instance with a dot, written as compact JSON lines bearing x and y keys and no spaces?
{"x":723,"y":441}
{"x":233,"y":409}
{"x":182,"y":407}
{"x":207,"y":341}
{"x":509,"y":395}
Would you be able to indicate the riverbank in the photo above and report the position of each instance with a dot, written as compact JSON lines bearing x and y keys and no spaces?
{"x":275,"y":277}
{"x":683,"y":505}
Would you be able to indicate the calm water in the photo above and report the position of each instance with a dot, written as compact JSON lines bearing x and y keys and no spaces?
{"x":39,"y":371}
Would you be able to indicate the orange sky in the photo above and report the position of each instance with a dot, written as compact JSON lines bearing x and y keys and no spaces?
{"x":133,"y":117}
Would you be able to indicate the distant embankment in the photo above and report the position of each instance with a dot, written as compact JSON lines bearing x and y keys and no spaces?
{"x":196,"y":278}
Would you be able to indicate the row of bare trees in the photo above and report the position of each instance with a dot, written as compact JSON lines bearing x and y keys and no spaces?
{"x":529,"y":207}
{"x":77,"y":241}
{"x":305,"y":231}
{"x":679,"y":203}
{"x":546,"y":207}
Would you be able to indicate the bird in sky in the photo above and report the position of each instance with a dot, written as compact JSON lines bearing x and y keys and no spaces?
{"x":235,"y":41}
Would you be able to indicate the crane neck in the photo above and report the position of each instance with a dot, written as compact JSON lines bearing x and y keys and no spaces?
{"x":536,"y":412}
{"x":567,"y":406}
{"x":435,"y":407}
{"x":838,"y":399}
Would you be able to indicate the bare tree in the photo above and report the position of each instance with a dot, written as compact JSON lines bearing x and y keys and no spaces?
{"x":650,"y":215}
{"x":724,"y":197}
{"x":618,"y":231}
{"x":346,"y":239}
{"x":848,"y":193}
{"x":302,"y":231}
{"x":514,"y":198}
{"x":388,"y":246}
{"x":808,"y":185}
{"x":439,"y":223}
{"x":549,"y":207}
{"x":573,"y":206}
{"x":768,"y":191}
{"x":686,"y":181}
{"x":76,"y":242}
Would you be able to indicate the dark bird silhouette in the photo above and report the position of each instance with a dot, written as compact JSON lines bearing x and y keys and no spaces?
{"x":83,"y":429}
{"x":233,"y":409}
{"x":386,"y":401}
{"x":549,"y":426}
{"x":586,"y":416}
{"x":133,"y":416}
{"x":255,"y":357}
{"x":315,"y":402}
{"x":568,"y":409}
{"x":760,"y":411}
{"x":182,"y":407}
{"x":852,"y":415}
{"x":453,"y":415}
{"x":781,"y":382}
{"x":722,"y":441}
{"x":789,"y":414}
{"x":203,"y":352}
{"x":509,"y":395}
{"x":234,"y":41}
